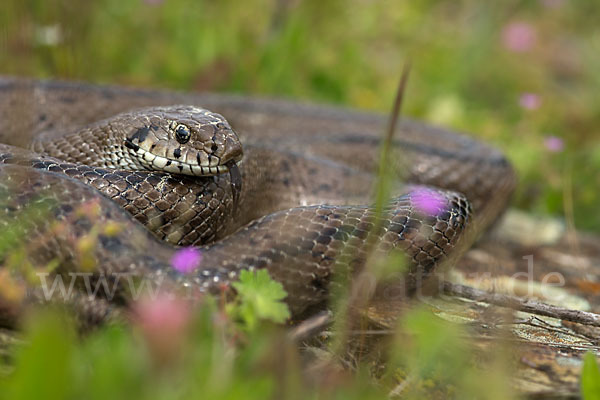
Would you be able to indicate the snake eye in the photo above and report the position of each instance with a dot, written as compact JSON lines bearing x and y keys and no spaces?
{"x":182,"y":134}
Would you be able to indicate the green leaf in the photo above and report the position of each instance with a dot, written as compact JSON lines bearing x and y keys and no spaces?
{"x":260,"y":298}
{"x":44,"y":366}
{"x":590,"y":378}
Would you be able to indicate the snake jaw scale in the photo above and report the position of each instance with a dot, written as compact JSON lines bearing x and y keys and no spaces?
{"x":146,"y":160}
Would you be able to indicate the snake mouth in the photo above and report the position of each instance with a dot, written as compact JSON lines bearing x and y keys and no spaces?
{"x":153,"y":162}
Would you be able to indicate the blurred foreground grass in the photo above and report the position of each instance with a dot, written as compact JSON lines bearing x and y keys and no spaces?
{"x":521,"y":74}
{"x":207,"y":356}
{"x":165,"y":346}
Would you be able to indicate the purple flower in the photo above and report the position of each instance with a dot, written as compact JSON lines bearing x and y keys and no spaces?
{"x":428,"y":201}
{"x":554,"y":144}
{"x":186,"y":260}
{"x":530,"y":101}
{"x":519,"y":36}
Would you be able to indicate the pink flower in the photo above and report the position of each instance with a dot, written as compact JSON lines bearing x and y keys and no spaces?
{"x":530,"y":101}
{"x":519,"y":36}
{"x":163,"y":321}
{"x":186,"y":260}
{"x":165,"y":312}
{"x":552,"y":3}
{"x":554,"y":144}
{"x":428,"y":201}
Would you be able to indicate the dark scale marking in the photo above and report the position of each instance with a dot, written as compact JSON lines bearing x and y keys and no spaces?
{"x":285,"y":166}
{"x":68,"y":99}
{"x":177,"y":153}
{"x":198,"y":158}
{"x":107,"y":93}
{"x":168,"y":162}
{"x":131,"y":145}
{"x":141,"y":134}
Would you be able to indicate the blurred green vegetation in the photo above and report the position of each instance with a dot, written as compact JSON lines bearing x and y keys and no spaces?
{"x":209,"y":357}
{"x":590,"y":378}
{"x":473,"y":62}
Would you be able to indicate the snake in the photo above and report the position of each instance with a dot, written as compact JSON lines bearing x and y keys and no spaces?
{"x":254,"y":183}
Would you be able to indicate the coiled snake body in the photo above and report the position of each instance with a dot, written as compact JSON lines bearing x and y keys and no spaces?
{"x":299,"y":198}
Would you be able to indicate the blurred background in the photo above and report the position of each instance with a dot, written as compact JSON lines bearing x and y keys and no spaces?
{"x":521,"y":74}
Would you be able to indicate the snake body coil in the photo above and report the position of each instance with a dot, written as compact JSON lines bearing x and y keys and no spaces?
{"x":306,"y":179}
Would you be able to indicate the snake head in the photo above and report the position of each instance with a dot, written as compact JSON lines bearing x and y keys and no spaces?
{"x":179,"y":139}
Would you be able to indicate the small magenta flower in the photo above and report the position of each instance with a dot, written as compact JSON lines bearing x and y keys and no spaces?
{"x":554,"y":144}
{"x":186,"y":260}
{"x":428,"y":201}
{"x":530,"y":101}
{"x":519,"y":37}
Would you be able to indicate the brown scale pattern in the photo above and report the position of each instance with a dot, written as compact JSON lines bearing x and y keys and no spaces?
{"x":170,"y":213}
{"x":306,"y":182}
{"x":298,"y":246}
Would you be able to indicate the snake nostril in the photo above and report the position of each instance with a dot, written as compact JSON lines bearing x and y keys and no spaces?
{"x":214,"y":147}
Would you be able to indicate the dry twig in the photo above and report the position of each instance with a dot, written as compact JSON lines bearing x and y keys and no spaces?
{"x":521,"y":304}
